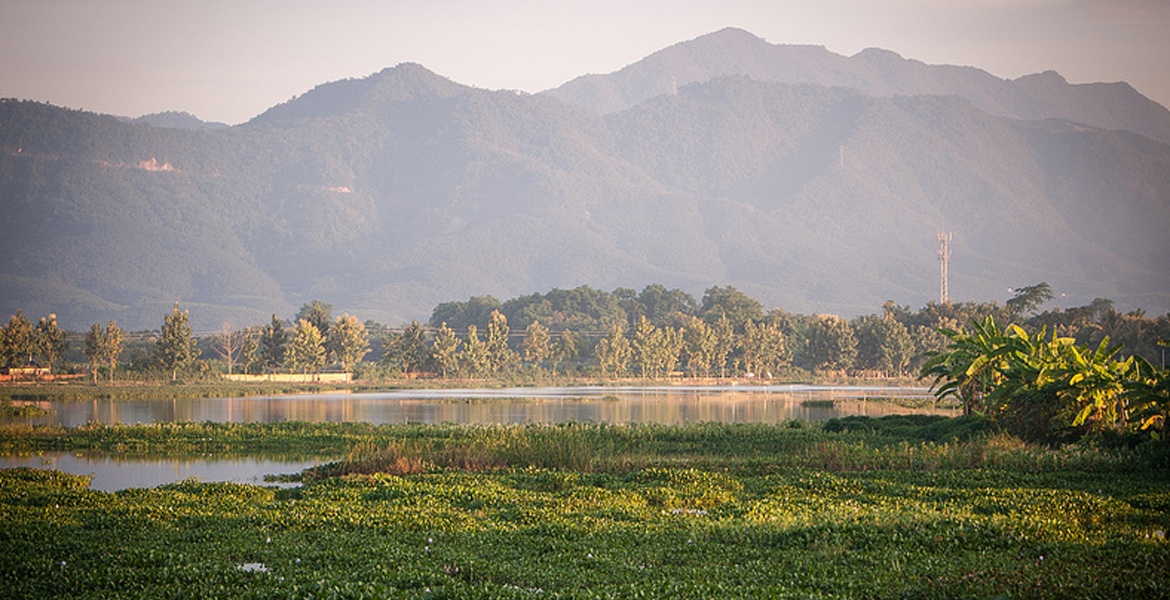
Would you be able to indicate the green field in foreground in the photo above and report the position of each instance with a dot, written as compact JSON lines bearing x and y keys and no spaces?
{"x":857,"y":508}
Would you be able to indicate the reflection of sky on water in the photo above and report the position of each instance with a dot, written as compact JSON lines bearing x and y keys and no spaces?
{"x":112,"y":473}
{"x":665,"y":404}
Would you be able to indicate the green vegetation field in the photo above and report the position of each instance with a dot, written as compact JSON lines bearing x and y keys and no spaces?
{"x":902,"y":507}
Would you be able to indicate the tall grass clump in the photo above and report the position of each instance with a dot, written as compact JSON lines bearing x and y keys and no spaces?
{"x":569,"y":447}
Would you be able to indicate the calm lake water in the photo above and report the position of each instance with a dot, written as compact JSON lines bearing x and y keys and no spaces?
{"x":665,"y":404}
{"x":112,"y":473}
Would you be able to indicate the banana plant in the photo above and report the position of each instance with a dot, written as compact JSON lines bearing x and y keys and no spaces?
{"x":970,"y":366}
{"x":1031,"y":365}
{"x":1148,"y":392}
{"x":1097,"y":384}
{"x":1040,"y":383}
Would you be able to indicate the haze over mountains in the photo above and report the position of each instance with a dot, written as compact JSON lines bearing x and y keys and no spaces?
{"x":811,"y":181}
{"x":874,"y":72}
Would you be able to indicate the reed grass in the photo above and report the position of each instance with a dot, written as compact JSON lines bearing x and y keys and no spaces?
{"x":603,"y":448}
{"x":910,"y":443}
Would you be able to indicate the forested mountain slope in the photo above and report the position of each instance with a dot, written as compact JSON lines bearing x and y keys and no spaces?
{"x":390,"y":194}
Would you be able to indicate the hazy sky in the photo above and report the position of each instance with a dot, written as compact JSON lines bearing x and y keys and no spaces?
{"x":230,"y":60}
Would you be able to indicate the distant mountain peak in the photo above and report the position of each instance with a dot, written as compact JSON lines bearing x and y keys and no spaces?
{"x":404,"y":81}
{"x":879,"y":53}
{"x":731,"y":32}
{"x":873,"y":71}
{"x":724,"y":36}
{"x":175,"y":119}
{"x":413,"y":72}
{"x":1047,"y":77}
{"x":729,"y":51}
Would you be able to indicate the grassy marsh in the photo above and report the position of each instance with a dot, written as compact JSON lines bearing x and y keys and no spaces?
{"x":861,"y":508}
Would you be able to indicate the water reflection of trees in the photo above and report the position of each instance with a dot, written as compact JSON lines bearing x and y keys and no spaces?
{"x":623,"y":406}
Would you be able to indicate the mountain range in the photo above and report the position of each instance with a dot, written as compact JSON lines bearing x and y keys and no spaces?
{"x":811,"y":181}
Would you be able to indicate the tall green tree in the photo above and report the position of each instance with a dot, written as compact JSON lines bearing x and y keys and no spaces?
{"x":929,"y":341}
{"x":175,"y":348}
{"x":725,"y":342}
{"x":737,"y":306}
{"x":643,"y":346}
{"x":764,"y":348}
{"x":104,"y":346}
{"x":1029,"y":298}
{"x":348,"y":341}
{"x":537,"y":344}
{"x":567,"y":347}
{"x":613,"y":351}
{"x":654,"y":350}
{"x":474,"y":358}
{"x":408,"y":351}
{"x":319,"y":313}
{"x":749,"y":346}
{"x":461,"y":315}
{"x":95,"y":348}
{"x":883,"y":344}
{"x":830,"y":344}
{"x":50,"y":340}
{"x":115,"y":342}
{"x":671,"y":349}
{"x":273,"y":342}
{"x":662,"y":307}
{"x":20,"y":343}
{"x":699,"y":344}
{"x":446,"y":350}
{"x":306,"y":350}
{"x":775,"y":353}
{"x":249,"y":350}
{"x":581,"y":308}
{"x":500,"y":356}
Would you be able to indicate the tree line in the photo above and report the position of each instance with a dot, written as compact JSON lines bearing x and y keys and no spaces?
{"x":173,"y":349}
{"x":727,"y":332}
{"x":624,"y":333}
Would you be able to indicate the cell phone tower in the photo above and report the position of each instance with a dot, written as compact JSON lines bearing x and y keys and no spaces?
{"x":944,"y":257}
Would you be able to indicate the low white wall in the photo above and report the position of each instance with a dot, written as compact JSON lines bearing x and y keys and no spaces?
{"x":295,"y":377}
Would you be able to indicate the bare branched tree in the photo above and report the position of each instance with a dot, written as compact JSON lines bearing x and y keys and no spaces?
{"x":229,"y":343}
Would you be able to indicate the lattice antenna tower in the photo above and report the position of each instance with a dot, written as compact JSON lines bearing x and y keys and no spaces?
{"x":944,"y":257}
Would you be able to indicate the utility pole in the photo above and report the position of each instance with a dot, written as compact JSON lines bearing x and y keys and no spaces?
{"x":944,"y":256}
